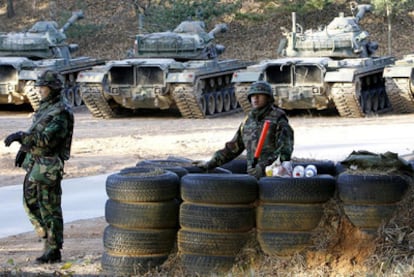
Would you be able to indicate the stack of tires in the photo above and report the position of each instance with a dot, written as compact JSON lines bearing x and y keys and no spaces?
{"x":288,"y":211}
{"x":216,"y":219}
{"x":370,"y":200}
{"x":142,"y":212}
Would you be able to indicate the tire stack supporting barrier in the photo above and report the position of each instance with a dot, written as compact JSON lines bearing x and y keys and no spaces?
{"x":289,"y":209}
{"x":142,"y":212}
{"x":216,"y":219}
{"x":370,"y":200}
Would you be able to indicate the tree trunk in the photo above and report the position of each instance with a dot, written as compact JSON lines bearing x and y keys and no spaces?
{"x":389,"y":28}
{"x":10,"y":9}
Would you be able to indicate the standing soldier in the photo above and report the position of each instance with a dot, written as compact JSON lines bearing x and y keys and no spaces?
{"x":44,"y":148}
{"x":279,"y":138}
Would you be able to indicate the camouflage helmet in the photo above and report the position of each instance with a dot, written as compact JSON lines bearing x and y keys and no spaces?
{"x":260,"y":87}
{"x":50,"y":79}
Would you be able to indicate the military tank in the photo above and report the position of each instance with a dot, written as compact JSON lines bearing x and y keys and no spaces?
{"x":25,"y":55}
{"x":177,"y":69}
{"x":399,"y":85}
{"x":331,"y":67}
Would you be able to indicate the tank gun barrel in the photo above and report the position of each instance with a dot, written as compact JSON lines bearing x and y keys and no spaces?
{"x":362,"y":9}
{"x":219,"y":28}
{"x":75,"y":16}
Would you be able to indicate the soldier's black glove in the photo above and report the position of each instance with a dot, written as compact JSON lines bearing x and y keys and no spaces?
{"x":18,"y":161}
{"x":257,"y":171}
{"x":13,"y":137}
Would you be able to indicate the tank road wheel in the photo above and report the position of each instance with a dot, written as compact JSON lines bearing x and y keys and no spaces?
{"x":70,"y":96}
{"x":203,"y":104}
{"x":375,"y":100}
{"x":211,"y":103}
{"x":366,"y":101}
{"x":226,"y":100}
{"x":382,"y":99}
{"x":77,"y":96}
{"x":219,"y":102}
{"x":233,"y":100}
{"x":32,"y":94}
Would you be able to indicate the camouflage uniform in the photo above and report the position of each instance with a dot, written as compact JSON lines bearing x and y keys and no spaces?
{"x":47,"y":145}
{"x":278,"y":142}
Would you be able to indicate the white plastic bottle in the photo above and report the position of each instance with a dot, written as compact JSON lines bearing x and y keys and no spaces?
{"x":298,"y":171}
{"x":310,"y":171}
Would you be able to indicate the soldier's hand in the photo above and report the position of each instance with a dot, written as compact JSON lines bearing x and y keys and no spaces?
{"x":204,"y":165}
{"x":18,"y":161}
{"x":256,"y":171}
{"x":13,"y":137}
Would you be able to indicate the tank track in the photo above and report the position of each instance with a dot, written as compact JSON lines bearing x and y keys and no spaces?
{"x":400,"y":95}
{"x":189,"y":105}
{"x":95,"y":102}
{"x":360,"y":98}
{"x":241,"y":94}
{"x":32,"y":95}
{"x":345,"y":100}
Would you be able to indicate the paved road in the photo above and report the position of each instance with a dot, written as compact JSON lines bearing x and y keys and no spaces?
{"x":82,"y":198}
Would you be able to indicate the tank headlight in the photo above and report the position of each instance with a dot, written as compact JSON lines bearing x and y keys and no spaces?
{"x":315,"y":90}
{"x":10,"y":87}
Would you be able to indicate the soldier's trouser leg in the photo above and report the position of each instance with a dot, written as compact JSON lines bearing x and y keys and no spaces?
{"x":46,"y":175}
{"x":51,"y":212}
{"x":31,"y":206}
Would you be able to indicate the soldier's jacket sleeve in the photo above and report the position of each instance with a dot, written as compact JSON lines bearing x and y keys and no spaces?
{"x":284,"y":140}
{"x":231,"y":150}
{"x":48,"y":135}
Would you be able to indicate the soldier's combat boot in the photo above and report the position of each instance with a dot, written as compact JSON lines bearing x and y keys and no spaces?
{"x":50,"y":256}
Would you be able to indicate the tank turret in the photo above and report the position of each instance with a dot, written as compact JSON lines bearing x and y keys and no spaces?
{"x":25,"y":55}
{"x":39,"y":41}
{"x":341,"y":38}
{"x":188,"y":41}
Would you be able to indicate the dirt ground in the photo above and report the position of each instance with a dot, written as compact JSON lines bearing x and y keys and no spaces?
{"x":105,"y":146}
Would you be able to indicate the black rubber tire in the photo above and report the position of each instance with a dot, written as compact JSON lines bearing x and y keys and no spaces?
{"x":226,"y":101}
{"x":204,"y":265}
{"x":164,"y":164}
{"x":219,"y":188}
{"x":288,"y":217}
{"x":322,"y":167}
{"x":220,"y":218}
{"x":283,"y":243}
{"x":125,"y":265}
{"x":142,"y":185}
{"x":211,"y":103}
{"x":138,"y":241}
{"x":237,"y":166}
{"x":369,"y":216}
{"x":145,"y":215}
{"x":211,"y":243}
{"x":371,"y":189}
{"x":316,"y":189}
